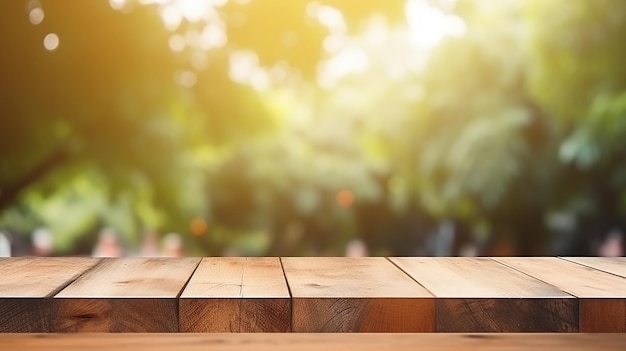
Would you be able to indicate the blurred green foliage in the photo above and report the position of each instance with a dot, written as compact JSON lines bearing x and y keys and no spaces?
{"x":513,"y":130}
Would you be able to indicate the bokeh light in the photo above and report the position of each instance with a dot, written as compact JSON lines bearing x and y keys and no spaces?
{"x":410,"y":127}
{"x":198,"y":227}
{"x":344,"y":198}
{"x":51,"y":41}
{"x":117,"y":4}
{"x":36,"y":16}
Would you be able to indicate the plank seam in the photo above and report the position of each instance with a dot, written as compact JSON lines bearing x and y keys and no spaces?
{"x":536,"y":278}
{"x":67,"y":283}
{"x":594,"y":268}
{"x":181,"y":292}
{"x":410,"y":276}
{"x":243,"y":271}
{"x":280,"y":259}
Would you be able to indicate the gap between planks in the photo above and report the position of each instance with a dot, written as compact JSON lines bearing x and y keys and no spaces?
{"x":282,"y":267}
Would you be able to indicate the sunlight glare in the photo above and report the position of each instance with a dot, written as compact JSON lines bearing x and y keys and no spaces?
{"x":173,"y":12}
{"x":328,"y":16}
{"x":212,"y":36}
{"x":429,"y":25}
{"x":350,"y":59}
{"x":244,"y":68}
{"x":242,"y":64}
{"x":194,"y":10}
{"x":172,"y":17}
{"x":117,"y":4}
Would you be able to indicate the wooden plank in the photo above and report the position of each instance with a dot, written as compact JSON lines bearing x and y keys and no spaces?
{"x":26,"y":287}
{"x":337,"y":294}
{"x":480,"y":295}
{"x":314,"y":342}
{"x":602,"y":296}
{"x":613,"y":265}
{"x":228,"y":294}
{"x":124,"y":295}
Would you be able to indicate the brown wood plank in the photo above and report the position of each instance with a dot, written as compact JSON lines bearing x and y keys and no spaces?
{"x":480,"y":295}
{"x":228,"y":294}
{"x":613,"y":265}
{"x":124,"y":295}
{"x":601,"y":296}
{"x":337,"y":294}
{"x":314,"y":342}
{"x":26,"y":287}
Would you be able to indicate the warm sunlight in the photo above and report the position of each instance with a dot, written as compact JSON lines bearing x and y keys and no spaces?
{"x":174,"y":12}
{"x":298,"y":127}
{"x":430,"y":25}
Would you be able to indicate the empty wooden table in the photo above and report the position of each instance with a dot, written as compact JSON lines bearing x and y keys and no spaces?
{"x":304,"y":294}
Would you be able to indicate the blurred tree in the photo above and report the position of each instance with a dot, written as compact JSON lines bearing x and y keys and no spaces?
{"x":93,"y":92}
{"x":577,"y":74}
{"x":482,"y":147}
{"x":293,"y":126}
{"x":107,"y":94}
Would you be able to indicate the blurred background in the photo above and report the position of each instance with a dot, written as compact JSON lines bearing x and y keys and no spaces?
{"x":312,"y":128}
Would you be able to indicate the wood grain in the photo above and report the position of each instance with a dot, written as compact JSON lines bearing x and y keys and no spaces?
{"x":124,"y":295}
{"x":601,"y":296}
{"x":236,"y":295}
{"x":336,"y":294}
{"x":480,"y":295}
{"x":26,"y":287}
{"x":314,"y":342}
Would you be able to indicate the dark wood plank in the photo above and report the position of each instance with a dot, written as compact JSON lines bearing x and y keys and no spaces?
{"x":26,"y":287}
{"x":337,"y":294}
{"x":124,"y":295}
{"x":601,"y":296}
{"x":314,"y":342}
{"x":480,"y":295}
{"x":236,"y":295}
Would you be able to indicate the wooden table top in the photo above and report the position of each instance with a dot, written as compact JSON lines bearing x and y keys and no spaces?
{"x":307,"y":294}
{"x":313,"y":342}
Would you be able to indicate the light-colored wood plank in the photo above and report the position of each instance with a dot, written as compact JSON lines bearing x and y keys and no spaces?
{"x":37,"y":277}
{"x":349,"y":277}
{"x":481,"y":295}
{"x":236,"y":295}
{"x":133,"y":277}
{"x":573,"y":278}
{"x":613,"y":265}
{"x":314,"y":342}
{"x":26,"y":283}
{"x":337,"y":294}
{"x":474,"y":277}
{"x":601,"y":296}
{"x":124,"y":295}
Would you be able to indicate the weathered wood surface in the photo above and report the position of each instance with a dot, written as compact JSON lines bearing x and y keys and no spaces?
{"x":601,"y":296}
{"x":314,"y":342}
{"x":236,"y":295}
{"x":481,"y":295}
{"x":124,"y":295}
{"x":336,"y":294}
{"x":27,"y":285}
